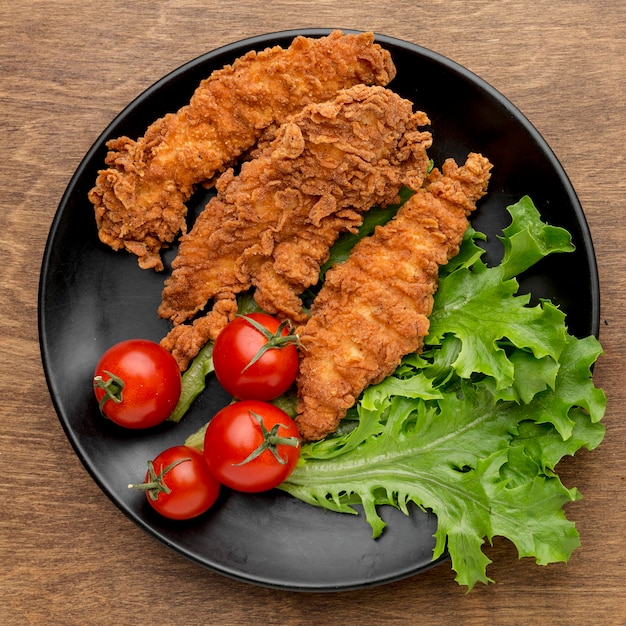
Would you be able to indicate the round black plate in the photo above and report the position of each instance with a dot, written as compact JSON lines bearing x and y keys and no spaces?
{"x":91,"y":297}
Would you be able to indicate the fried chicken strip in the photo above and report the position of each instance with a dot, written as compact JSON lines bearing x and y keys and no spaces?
{"x":373,"y":309}
{"x":139,"y":199}
{"x":271,"y":227}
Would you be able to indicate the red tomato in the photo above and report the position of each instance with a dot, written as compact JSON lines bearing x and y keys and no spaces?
{"x":251,"y":446}
{"x":137,"y":383}
{"x":255,"y":336}
{"x":179,"y":484}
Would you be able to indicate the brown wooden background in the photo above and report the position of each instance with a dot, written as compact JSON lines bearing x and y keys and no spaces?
{"x":67,"y":555}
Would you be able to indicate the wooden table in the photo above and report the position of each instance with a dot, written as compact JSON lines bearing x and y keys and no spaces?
{"x":68,"y":556}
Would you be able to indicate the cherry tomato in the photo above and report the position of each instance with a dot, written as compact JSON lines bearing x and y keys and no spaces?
{"x":255,"y":357}
{"x":251,"y":446}
{"x":137,"y":383}
{"x":178,"y":483}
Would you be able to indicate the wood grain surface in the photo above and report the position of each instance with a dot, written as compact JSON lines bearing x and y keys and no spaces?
{"x":67,"y":554}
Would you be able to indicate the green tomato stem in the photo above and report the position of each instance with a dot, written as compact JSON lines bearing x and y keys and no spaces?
{"x":157,"y":484}
{"x":271,"y":441}
{"x":274,"y":340}
{"x":113,"y":389}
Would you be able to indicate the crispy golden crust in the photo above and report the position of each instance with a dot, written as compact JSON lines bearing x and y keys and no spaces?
{"x":139,"y":198}
{"x":271,"y":227}
{"x":373,"y":309}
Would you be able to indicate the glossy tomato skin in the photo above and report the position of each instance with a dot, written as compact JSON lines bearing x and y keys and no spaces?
{"x":234,"y":433}
{"x":237,"y":345}
{"x":151,"y":383}
{"x":193,"y":489}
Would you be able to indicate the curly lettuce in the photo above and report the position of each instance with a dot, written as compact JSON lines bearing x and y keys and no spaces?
{"x":474,"y":427}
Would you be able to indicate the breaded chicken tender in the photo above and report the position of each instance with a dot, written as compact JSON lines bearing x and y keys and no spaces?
{"x":140,"y":197}
{"x":271,"y":226}
{"x":373,"y":309}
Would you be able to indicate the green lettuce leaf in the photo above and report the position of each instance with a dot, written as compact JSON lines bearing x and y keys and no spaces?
{"x":527,"y":239}
{"x":473,"y":428}
{"x":477,"y":304}
{"x":573,"y":387}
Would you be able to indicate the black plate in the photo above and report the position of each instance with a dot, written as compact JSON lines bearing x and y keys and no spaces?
{"x":91,"y":297}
